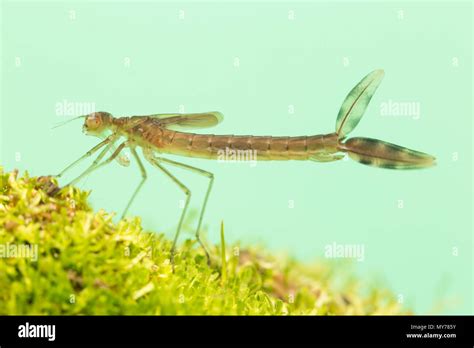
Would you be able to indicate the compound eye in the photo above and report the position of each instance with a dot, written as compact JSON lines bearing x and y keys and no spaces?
{"x":93,"y":121}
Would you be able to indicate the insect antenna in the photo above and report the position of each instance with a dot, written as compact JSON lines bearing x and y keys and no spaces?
{"x":67,"y":121}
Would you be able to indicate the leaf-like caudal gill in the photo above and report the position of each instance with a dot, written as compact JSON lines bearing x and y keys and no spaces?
{"x":355,"y":104}
{"x":382,"y":154}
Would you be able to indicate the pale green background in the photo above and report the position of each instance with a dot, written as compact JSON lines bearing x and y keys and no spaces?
{"x":425,"y":49}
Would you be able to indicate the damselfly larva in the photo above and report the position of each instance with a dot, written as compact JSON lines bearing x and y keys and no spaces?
{"x":161,"y":134}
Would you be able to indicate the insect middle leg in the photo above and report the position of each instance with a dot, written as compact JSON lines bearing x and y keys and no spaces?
{"x":144,"y":177}
{"x":208,"y":175}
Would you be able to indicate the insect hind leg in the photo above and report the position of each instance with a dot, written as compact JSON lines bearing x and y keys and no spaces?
{"x":209,"y":175}
{"x":155,"y":162}
{"x":323,"y":157}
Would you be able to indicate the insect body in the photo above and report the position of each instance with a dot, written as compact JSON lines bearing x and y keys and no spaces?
{"x":162,"y":134}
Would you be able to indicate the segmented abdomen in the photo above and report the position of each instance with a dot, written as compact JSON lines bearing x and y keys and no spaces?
{"x":256,"y":147}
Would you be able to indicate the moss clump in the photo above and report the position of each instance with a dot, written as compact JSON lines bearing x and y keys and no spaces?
{"x":86,"y":264}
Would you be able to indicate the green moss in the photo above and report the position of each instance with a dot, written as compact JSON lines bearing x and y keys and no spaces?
{"x":86,"y":264}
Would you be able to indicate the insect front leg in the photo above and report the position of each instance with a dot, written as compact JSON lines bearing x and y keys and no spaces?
{"x":86,"y":155}
{"x":97,"y":165}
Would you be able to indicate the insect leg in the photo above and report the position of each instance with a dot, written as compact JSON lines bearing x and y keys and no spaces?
{"x":323,"y":157}
{"x":186,"y":191}
{"x":144,"y":176}
{"x":87,"y":154}
{"x":97,"y":165}
{"x":208,"y":175}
